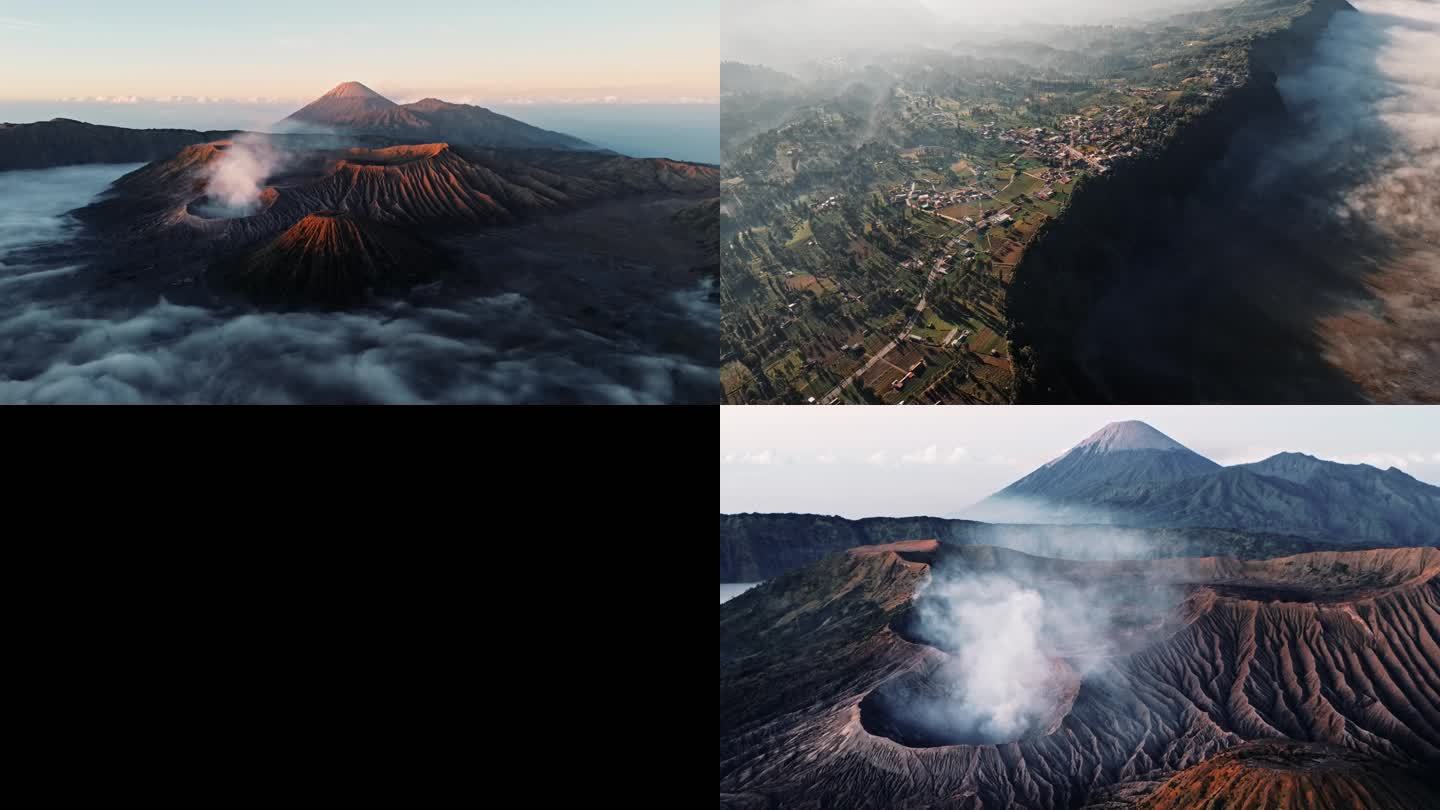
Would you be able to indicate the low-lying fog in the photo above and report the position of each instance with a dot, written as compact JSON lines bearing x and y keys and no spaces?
{"x":60,"y":344}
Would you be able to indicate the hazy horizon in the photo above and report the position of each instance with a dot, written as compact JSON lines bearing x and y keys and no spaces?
{"x":880,"y":462}
{"x":678,"y":131}
{"x":631,"y":50}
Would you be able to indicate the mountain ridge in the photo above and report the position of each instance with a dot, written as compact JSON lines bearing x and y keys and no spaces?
{"x":1119,"y":454}
{"x":1288,"y":493}
{"x":67,"y":142}
{"x":352,"y":107}
{"x":758,"y":545}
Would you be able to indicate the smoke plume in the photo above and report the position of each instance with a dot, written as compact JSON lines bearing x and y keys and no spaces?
{"x":995,"y":623}
{"x":1014,"y":509}
{"x":1020,"y":638}
{"x":238,"y":176}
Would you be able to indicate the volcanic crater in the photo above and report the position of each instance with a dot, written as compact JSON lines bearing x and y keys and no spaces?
{"x":914,"y":708}
{"x":397,"y":208}
{"x":822,"y":670}
{"x":207,"y":207}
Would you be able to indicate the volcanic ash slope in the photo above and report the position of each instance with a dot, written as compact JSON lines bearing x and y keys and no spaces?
{"x":1329,"y":648}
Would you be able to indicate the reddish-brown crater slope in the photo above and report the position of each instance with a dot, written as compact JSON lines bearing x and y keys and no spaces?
{"x":434,"y":185}
{"x":169,"y":221}
{"x":1339,"y":649}
{"x":330,"y":257}
{"x":1284,"y":775}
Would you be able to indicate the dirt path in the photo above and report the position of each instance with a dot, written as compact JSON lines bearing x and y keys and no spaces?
{"x":897,"y":368}
{"x":875,"y":358}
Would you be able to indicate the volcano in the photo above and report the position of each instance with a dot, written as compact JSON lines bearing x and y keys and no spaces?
{"x":1283,"y":775}
{"x":353,"y":108}
{"x":1317,"y":673}
{"x":327,"y":222}
{"x":478,"y":126}
{"x":332,"y":257}
{"x":1130,"y":474}
{"x":432,"y":184}
{"x":1118,"y":455}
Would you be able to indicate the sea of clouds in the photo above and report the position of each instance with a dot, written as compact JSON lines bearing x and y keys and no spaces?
{"x":59,"y":343}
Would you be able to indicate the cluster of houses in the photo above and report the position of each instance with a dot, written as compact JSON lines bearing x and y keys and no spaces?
{"x":1222,"y":77}
{"x":1094,"y":141}
{"x":826,"y":204}
{"x":957,"y":196}
{"x":982,"y":223}
{"x":899,"y":384}
{"x":1114,"y":132}
{"x":937,"y":198}
{"x":958,"y":249}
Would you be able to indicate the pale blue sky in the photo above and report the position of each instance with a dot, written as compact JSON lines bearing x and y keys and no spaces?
{"x":632,"y":50}
{"x":903,"y":460}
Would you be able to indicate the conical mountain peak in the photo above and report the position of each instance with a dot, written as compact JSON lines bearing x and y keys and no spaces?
{"x":352,"y":90}
{"x":1131,"y":435}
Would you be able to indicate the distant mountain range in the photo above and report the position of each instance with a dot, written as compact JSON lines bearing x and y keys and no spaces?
{"x":755,"y":547}
{"x":1130,"y":474}
{"x":1128,"y":491}
{"x":63,"y":142}
{"x":354,"y":108}
{"x":351,"y":109}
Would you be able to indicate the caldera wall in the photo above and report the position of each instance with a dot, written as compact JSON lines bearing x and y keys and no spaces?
{"x":1104,"y":304}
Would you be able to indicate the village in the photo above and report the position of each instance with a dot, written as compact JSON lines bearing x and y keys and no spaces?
{"x":836,"y":332}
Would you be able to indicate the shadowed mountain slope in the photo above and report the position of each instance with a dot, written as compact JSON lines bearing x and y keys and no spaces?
{"x":1131,"y":475}
{"x":63,"y":142}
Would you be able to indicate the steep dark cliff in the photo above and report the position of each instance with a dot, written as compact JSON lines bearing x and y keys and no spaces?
{"x":1151,"y":287}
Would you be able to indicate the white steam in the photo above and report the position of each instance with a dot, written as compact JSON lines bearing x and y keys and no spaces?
{"x":1002,"y":671}
{"x":238,"y":177}
{"x":1020,"y":640}
{"x":1012,"y":509}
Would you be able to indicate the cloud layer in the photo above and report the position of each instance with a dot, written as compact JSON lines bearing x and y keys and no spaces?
{"x":58,"y":344}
